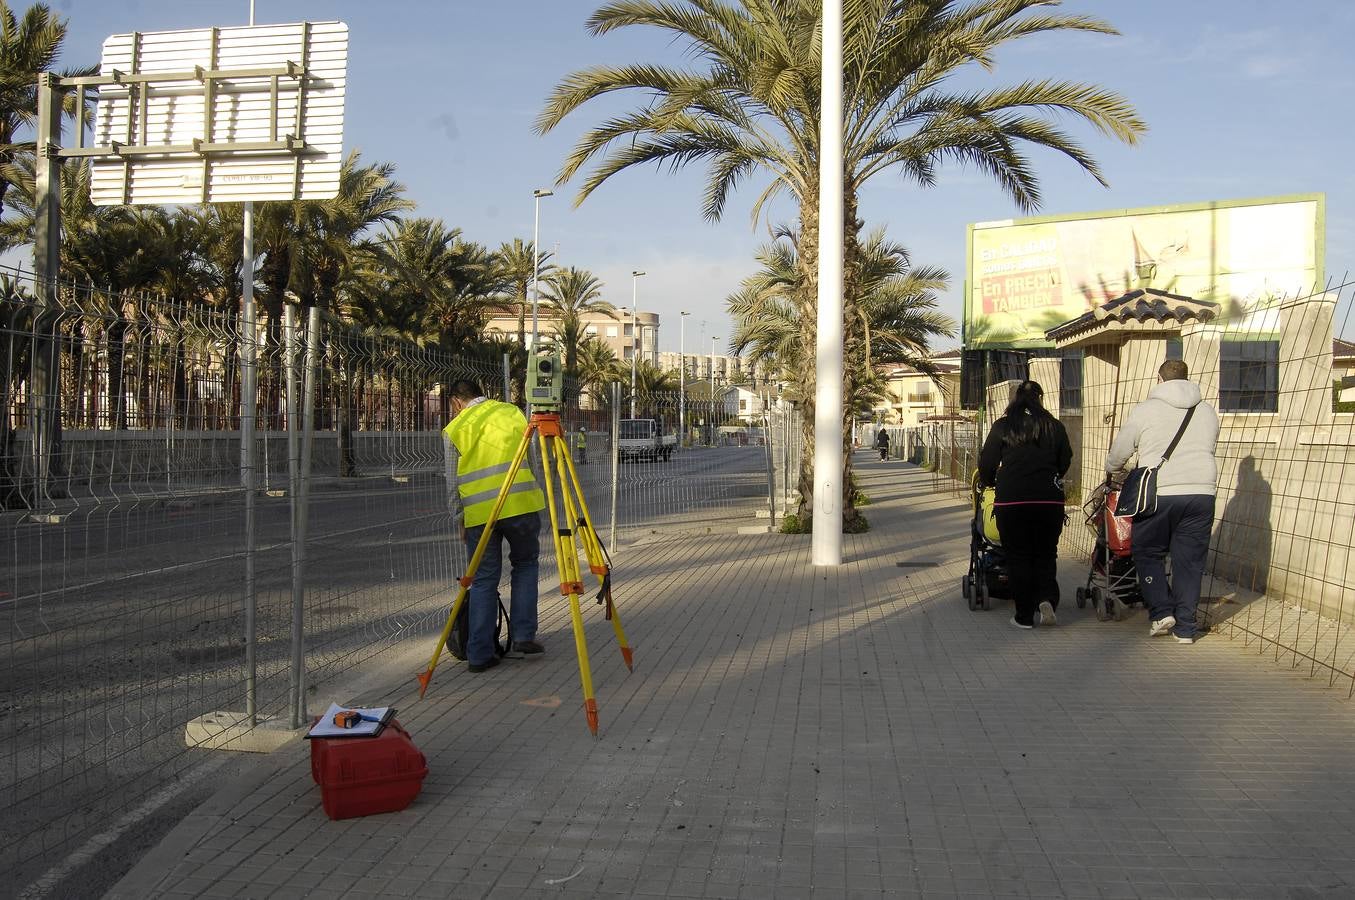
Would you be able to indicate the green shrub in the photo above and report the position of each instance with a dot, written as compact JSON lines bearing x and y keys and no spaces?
{"x":791,"y":524}
{"x":858,"y":524}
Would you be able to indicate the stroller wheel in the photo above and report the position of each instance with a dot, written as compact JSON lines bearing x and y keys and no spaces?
{"x":985,"y":598}
{"x":1101,"y":603}
{"x":1081,"y":598}
{"x":970,"y":595}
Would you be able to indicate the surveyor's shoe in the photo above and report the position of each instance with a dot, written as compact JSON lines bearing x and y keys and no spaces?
{"x":528,"y":647}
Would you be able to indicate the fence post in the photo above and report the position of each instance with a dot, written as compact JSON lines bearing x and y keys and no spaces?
{"x":44,"y":390}
{"x":302,"y":507}
{"x":616,"y":455}
{"x":771,"y":460}
{"x":289,"y":337}
{"x":248,"y":455}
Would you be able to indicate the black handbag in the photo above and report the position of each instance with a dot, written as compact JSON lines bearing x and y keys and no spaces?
{"x":1138,"y":494}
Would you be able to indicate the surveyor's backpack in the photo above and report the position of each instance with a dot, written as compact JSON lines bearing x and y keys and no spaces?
{"x":460,"y":634}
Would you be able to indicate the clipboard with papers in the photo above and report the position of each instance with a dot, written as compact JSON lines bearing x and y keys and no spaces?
{"x":371,"y":722}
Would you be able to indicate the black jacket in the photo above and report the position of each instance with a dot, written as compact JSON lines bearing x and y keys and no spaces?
{"x":1028,"y":472}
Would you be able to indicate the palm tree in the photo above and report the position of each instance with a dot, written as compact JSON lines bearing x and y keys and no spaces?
{"x":313,"y":249}
{"x":570,"y":294}
{"x":517,"y":259}
{"x":598,"y":368}
{"x":896,"y":319}
{"x":752,"y":108}
{"x":28,"y":47}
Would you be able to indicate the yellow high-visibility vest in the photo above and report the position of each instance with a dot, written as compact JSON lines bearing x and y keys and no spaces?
{"x":487,"y":436}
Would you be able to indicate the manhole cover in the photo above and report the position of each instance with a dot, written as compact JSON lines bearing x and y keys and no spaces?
{"x":913,"y":564}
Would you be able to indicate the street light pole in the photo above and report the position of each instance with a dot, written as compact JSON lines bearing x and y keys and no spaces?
{"x":682,"y":378}
{"x":536,"y":259}
{"x":634,"y":333}
{"x":712,"y":370}
{"x":827,"y":499}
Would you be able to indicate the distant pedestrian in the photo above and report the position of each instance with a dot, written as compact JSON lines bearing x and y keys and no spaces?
{"x":581,"y":445}
{"x":1026,"y":456}
{"x":882,"y":443}
{"x":1186,"y":483}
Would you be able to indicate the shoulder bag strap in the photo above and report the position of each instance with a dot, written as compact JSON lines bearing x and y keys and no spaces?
{"x":1180,"y":431}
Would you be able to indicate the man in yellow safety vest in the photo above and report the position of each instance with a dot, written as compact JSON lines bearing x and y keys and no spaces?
{"x":581,"y":446}
{"x":485,"y":435}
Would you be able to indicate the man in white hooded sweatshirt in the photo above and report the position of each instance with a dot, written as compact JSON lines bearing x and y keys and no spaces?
{"x":1186,"y":484}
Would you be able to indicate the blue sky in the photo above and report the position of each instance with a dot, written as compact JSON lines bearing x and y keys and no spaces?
{"x":1243,"y":98}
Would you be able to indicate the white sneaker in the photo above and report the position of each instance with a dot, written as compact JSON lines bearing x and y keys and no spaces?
{"x":1047,"y":616}
{"x":1019,"y":625}
{"x":1183,"y":640}
{"x":1162,"y":626}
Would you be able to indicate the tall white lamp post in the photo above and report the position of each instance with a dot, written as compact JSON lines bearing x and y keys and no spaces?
{"x":536,"y":259}
{"x":634,"y":333}
{"x":682,"y":378}
{"x":826,"y":542}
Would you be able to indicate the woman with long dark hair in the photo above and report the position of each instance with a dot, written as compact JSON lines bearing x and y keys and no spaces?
{"x":1026,"y":455}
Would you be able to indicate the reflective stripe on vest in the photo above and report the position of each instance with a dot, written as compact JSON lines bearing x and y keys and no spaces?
{"x":487,"y":436}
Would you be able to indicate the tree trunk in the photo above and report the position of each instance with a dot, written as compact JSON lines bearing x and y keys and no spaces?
{"x":13,"y":362}
{"x":347,"y":413}
{"x":522,"y":318}
{"x":117,"y":353}
{"x":807,"y":254}
{"x":853,"y":355}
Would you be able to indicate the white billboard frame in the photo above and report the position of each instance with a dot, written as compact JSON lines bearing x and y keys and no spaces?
{"x":217,"y":115}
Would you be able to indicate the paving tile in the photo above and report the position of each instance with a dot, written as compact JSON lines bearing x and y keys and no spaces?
{"x":796,"y":732}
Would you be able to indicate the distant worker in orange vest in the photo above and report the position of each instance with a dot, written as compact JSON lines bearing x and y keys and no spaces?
{"x":486,"y":434}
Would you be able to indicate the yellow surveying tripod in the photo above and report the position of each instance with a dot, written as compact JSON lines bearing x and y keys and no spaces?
{"x":556,"y":465}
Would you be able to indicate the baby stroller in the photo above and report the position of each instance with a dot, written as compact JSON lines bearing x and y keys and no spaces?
{"x":1113,"y":581}
{"x":988,"y":576}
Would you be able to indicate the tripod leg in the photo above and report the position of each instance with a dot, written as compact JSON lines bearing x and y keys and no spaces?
{"x":555,"y":455}
{"x":597,"y":559}
{"x":462,"y":595}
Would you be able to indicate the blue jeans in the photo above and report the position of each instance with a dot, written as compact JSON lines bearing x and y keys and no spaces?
{"x":523,"y":534}
{"x":1180,"y":529}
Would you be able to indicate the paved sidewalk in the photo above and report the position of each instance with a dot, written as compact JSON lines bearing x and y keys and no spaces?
{"x":793,"y":732}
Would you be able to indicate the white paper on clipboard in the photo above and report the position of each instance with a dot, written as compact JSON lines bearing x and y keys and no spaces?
{"x":372,"y":722}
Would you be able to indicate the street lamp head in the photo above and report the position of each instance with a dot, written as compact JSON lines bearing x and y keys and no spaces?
{"x":542,"y":192}
{"x":684,"y":313}
{"x":637,"y":273}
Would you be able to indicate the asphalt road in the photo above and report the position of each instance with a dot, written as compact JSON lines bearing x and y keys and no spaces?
{"x":123,"y":620}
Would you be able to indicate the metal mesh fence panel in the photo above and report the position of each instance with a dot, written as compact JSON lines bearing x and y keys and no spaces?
{"x":127,"y":541}
{"x":715,"y":477}
{"x":121,"y":606}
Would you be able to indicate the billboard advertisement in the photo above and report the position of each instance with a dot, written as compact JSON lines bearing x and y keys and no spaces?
{"x":1028,"y":275}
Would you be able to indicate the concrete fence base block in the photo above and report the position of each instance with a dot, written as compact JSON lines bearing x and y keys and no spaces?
{"x":46,"y":518}
{"x":279,"y":492}
{"x":231,"y":731}
{"x":754,"y":529}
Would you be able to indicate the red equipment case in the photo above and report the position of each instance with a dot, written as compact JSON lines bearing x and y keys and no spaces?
{"x":362,"y":776}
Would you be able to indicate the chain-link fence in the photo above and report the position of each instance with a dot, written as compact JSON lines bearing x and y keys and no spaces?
{"x":139,"y":565}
